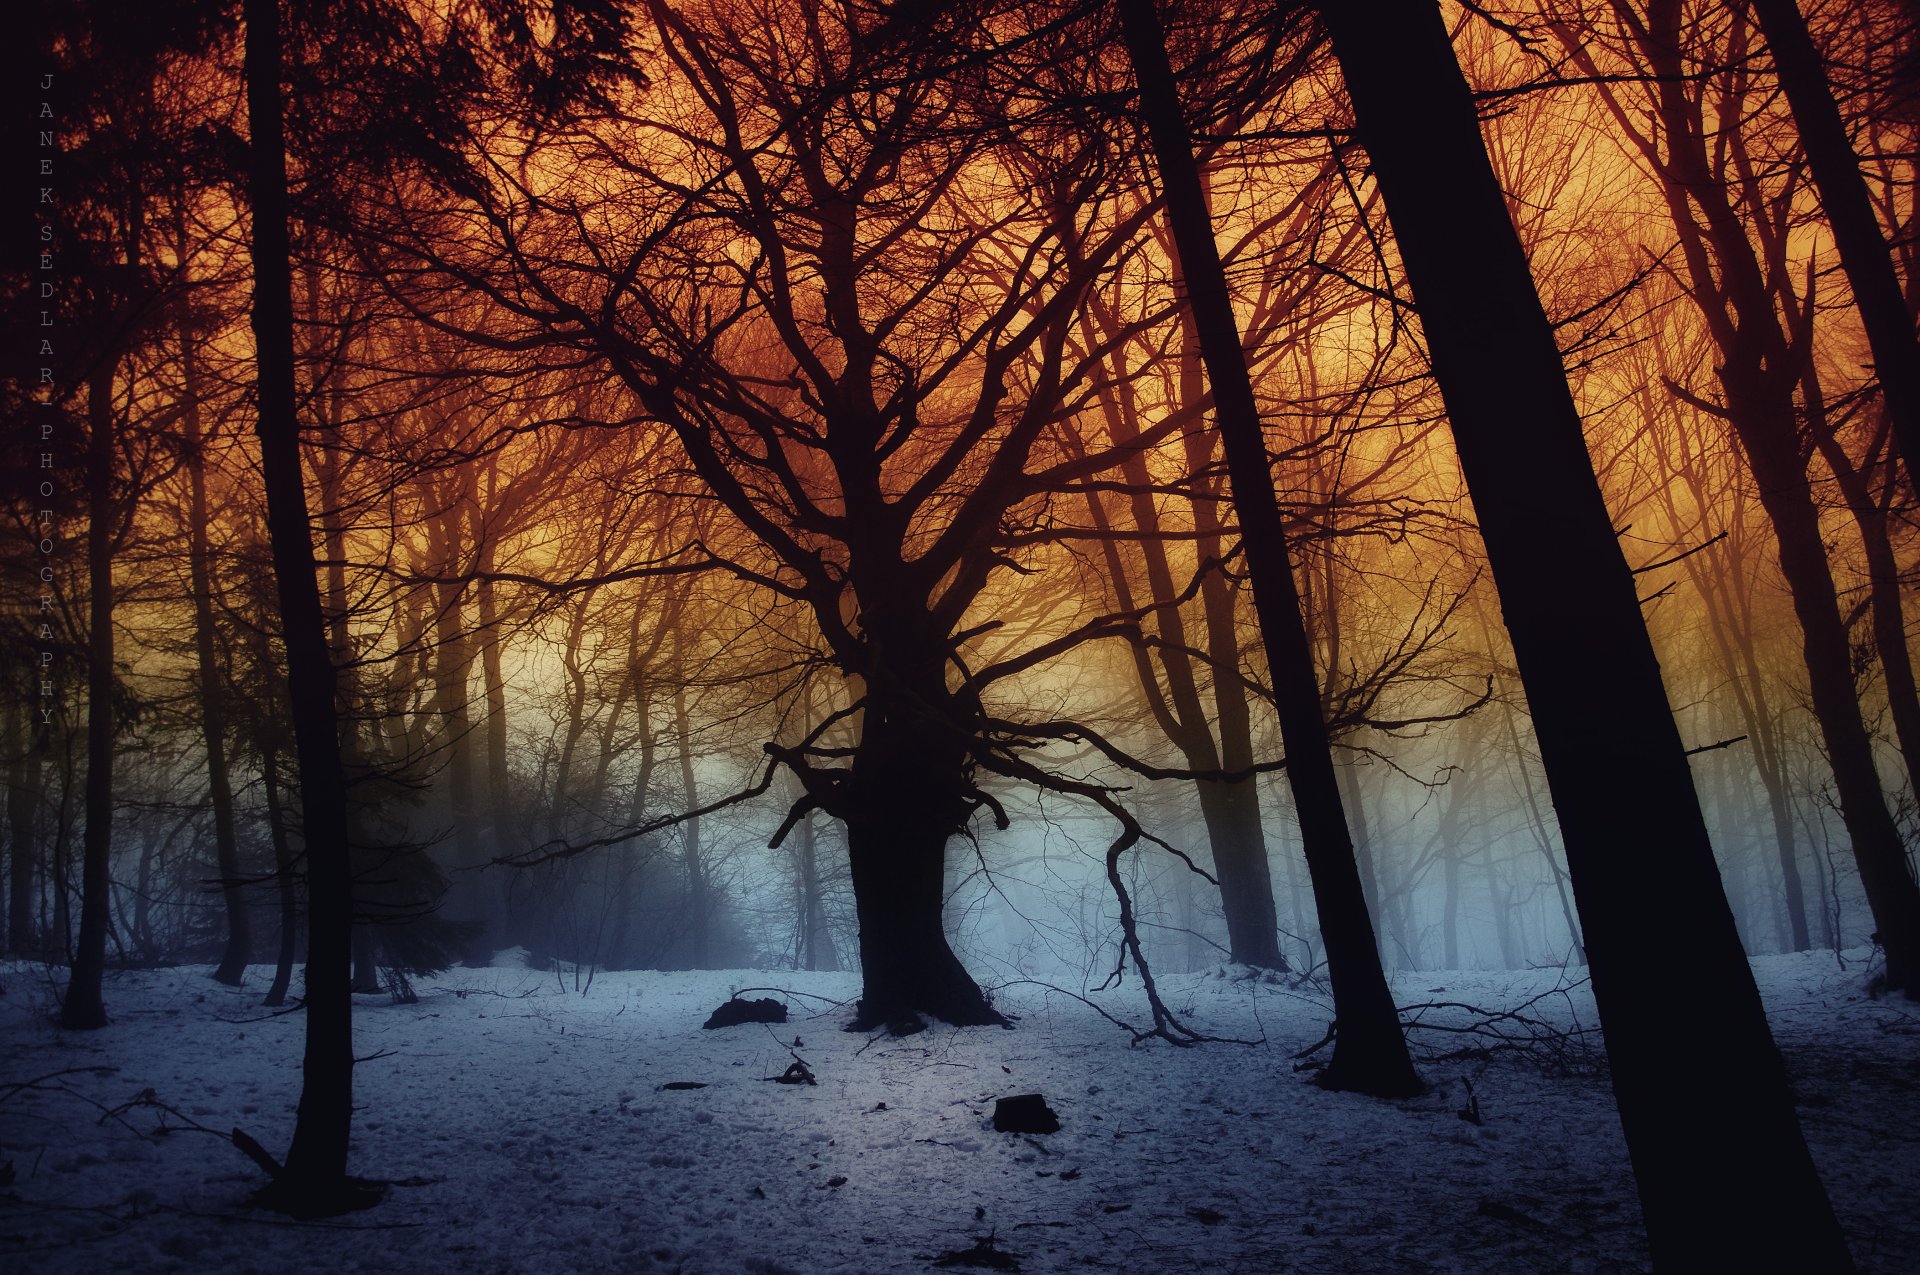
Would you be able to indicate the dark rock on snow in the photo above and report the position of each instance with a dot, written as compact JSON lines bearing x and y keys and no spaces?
{"x":1025,"y":1113}
{"x":737,"y":1011}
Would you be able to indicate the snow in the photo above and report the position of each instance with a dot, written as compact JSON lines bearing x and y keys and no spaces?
{"x":523,"y":1117}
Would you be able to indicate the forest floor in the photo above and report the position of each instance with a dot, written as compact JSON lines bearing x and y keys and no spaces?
{"x":526,"y":1128}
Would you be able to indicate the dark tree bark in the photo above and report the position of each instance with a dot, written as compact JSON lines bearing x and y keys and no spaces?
{"x":453,"y":675}
{"x":314,"y":1181}
{"x":1716,"y":579}
{"x":1370,"y":1051}
{"x":816,"y":936}
{"x":1856,"y":231}
{"x":23,"y":804}
{"x":1758,"y":369}
{"x":1884,"y":608}
{"x":905,"y":795}
{"x":284,"y":864}
{"x":1725,"y":1179}
{"x":699,"y":905}
{"x":1230,"y":810}
{"x":499,"y":837}
{"x":82,"y":1007}
{"x":213,"y":726}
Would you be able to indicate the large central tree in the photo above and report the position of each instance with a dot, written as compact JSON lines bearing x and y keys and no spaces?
{"x":850,"y":288}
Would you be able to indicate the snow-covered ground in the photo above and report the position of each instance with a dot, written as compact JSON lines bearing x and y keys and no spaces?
{"x":527,"y":1129}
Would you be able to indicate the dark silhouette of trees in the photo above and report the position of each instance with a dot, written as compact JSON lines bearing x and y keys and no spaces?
{"x":1724,"y":1174}
{"x":211,"y":681}
{"x":314,"y":1180}
{"x":882,"y":473}
{"x":1739,"y":290}
{"x":1370,"y":1052}
{"x":1857,"y":232}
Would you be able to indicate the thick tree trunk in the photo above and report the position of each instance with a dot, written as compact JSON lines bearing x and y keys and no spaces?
{"x":314,"y":1181}
{"x":1239,"y":843}
{"x":1856,"y":231}
{"x":1370,"y":1052}
{"x":904,"y":798}
{"x":213,"y":726}
{"x":82,"y":1007}
{"x":896,"y":848}
{"x":1726,"y":1182}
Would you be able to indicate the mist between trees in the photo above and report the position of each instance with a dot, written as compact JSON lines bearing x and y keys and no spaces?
{"x":770,"y":486}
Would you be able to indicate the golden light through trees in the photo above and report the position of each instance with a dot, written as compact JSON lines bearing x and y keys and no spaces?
{"x":766,"y":487}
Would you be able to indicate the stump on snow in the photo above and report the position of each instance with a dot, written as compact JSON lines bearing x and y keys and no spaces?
{"x":1025,"y":1113}
{"x":737,"y":1011}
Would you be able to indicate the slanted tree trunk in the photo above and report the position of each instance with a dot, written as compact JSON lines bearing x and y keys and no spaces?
{"x":1757,"y":371}
{"x":1370,"y":1052}
{"x":1726,"y":1182}
{"x":213,"y":726}
{"x":314,"y":1181}
{"x":1856,"y":231}
{"x":83,"y":1007}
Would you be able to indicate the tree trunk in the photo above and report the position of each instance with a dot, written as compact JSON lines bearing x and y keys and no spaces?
{"x":904,"y":797}
{"x":1231,"y":810}
{"x":1856,"y":231}
{"x":1731,"y":624}
{"x":453,"y":660}
{"x":83,"y":1007}
{"x":314,"y":1181}
{"x":1725,"y":1179}
{"x":213,"y":726}
{"x":1758,"y":369}
{"x":1370,"y":1052}
{"x":1764,"y":423}
{"x":1240,"y":840}
{"x":1451,"y":854}
{"x":499,"y":780}
{"x":699,"y":906}
{"x":896,"y":848}
{"x":23,"y":804}
{"x":1883,"y":578}
{"x":816,"y":937}
{"x":283,"y":865}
